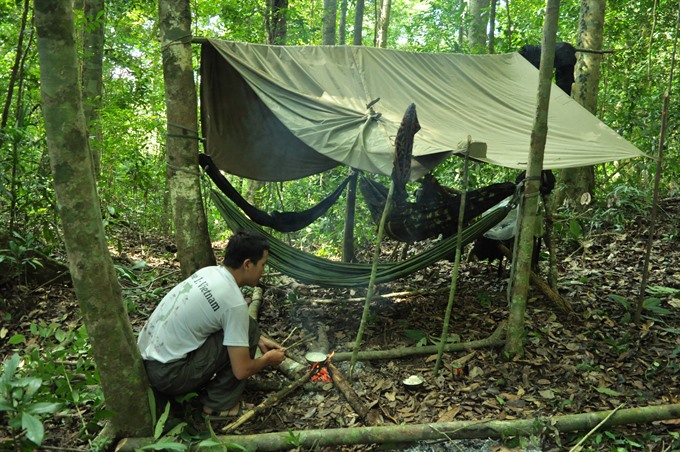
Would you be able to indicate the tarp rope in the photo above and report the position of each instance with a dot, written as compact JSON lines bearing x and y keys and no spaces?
{"x":310,"y":269}
{"x":279,"y":221}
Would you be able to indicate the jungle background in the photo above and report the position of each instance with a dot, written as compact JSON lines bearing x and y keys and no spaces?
{"x":55,"y":399}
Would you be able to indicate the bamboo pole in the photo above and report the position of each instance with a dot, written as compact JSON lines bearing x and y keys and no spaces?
{"x":400,"y":172}
{"x":371,"y":281}
{"x":496,"y":339}
{"x":491,"y":428}
{"x":456,"y":262}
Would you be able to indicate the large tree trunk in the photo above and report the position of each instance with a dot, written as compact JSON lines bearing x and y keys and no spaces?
{"x":93,"y":54}
{"x":358,"y":23}
{"x":330,"y":15}
{"x":310,"y":439}
{"x":479,"y":20}
{"x":384,"y":23}
{"x":194,"y":248}
{"x":94,"y":278}
{"x":524,"y":241}
{"x":578,"y":181}
{"x":277,"y":25}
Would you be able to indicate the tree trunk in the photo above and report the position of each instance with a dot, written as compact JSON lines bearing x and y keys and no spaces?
{"x":492,"y":26}
{"x":358,"y":23}
{"x":524,"y":241}
{"x":94,"y":278}
{"x":479,"y":21}
{"x":18,"y":57}
{"x":384,"y":23}
{"x":578,"y":181}
{"x":194,"y":248}
{"x":330,"y":15}
{"x":309,"y":439}
{"x":93,"y":54}
{"x":16,"y":78}
{"x":277,"y":25}
{"x":342,"y":26}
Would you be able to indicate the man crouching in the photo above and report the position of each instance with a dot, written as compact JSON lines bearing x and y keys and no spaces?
{"x":200,"y":337}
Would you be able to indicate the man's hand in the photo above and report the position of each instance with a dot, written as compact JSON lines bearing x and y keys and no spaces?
{"x":265,"y":344}
{"x":275,"y":357}
{"x":271,"y":351}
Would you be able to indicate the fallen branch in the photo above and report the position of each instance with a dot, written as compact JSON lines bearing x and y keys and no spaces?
{"x":445,"y":430}
{"x":256,"y":302}
{"x":268,"y":403}
{"x":496,"y":339}
{"x":542,"y":285}
{"x":371,"y":417}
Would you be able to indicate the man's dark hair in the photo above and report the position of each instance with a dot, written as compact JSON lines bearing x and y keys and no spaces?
{"x":244,"y":245}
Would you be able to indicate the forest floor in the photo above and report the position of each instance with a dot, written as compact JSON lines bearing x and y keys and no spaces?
{"x":593,"y":359}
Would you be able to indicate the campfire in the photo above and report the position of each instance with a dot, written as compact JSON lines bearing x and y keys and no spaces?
{"x":320,"y":372}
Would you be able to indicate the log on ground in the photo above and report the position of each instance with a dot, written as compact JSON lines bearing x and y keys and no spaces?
{"x":496,"y":339}
{"x":443,"y":430}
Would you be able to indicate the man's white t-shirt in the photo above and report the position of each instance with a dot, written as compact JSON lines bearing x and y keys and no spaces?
{"x":206,"y":302}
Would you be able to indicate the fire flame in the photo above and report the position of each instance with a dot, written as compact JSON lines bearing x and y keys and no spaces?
{"x":320,"y":372}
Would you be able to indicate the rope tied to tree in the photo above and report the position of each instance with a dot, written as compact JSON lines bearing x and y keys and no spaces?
{"x":183,"y":169}
{"x":186,"y":133}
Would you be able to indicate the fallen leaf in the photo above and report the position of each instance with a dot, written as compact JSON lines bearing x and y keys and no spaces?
{"x":476,"y":372}
{"x":449,"y":415}
{"x":607,"y":391}
{"x":547,"y":394}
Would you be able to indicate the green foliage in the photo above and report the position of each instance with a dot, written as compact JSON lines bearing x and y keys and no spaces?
{"x":21,"y":405}
{"x":20,"y":256}
{"x":651,"y":304}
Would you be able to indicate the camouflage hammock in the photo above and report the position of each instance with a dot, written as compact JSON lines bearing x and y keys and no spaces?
{"x":410,"y":222}
{"x":310,"y":269}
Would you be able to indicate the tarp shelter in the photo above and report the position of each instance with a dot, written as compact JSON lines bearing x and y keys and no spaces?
{"x":283,"y":112}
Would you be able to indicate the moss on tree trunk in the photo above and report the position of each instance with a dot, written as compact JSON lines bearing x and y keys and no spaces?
{"x":94,"y":279}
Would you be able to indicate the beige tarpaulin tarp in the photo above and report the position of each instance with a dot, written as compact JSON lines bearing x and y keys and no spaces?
{"x":282,"y":112}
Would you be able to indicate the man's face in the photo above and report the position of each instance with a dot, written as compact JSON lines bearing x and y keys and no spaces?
{"x":255,"y":269}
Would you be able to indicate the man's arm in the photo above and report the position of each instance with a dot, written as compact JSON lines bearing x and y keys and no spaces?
{"x":244,"y":366}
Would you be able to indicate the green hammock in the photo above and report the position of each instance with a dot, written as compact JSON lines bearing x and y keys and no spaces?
{"x":310,"y":269}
